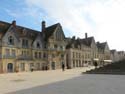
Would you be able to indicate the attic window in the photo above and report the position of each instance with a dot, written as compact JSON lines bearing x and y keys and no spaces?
{"x":24,"y":31}
{"x":11,"y":40}
{"x":38,"y":45}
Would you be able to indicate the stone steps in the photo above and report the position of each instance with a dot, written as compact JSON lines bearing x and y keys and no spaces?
{"x":114,"y":68}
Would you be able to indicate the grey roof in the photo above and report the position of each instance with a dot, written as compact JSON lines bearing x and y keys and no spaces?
{"x":26,"y":32}
{"x":4,"y":26}
{"x":87,"y":41}
{"x":101,"y":45}
{"x":50,"y":30}
{"x":113,"y":51}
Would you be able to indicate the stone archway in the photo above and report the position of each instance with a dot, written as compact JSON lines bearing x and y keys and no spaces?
{"x":9,"y":67}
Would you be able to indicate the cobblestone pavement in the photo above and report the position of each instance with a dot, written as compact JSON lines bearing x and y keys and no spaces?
{"x":14,"y":82}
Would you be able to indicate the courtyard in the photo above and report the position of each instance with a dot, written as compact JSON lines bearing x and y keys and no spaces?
{"x":59,"y":82}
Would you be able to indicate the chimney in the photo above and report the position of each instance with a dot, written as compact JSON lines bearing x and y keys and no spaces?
{"x":43,"y":26}
{"x":86,"y":35}
{"x":98,"y":42}
{"x":14,"y":23}
{"x":73,"y":37}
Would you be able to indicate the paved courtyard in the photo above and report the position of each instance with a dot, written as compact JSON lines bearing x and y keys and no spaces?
{"x":19,"y":81}
{"x":58,"y":82}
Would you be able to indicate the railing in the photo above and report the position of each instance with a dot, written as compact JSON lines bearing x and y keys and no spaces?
{"x":24,"y":58}
{"x":9,"y":56}
{"x":56,"y":49}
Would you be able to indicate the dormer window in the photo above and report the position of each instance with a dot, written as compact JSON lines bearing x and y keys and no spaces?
{"x":37,"y":45}
{"x":11,"y":40}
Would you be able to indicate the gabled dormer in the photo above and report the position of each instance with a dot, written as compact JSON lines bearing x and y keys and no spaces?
{"x":38,"y":43}
{"x":11,"y":37}
{"x":54,"y":32}
{"x":58,"y":34}
{"x":103,"y":47}
{"x":106,"y":47}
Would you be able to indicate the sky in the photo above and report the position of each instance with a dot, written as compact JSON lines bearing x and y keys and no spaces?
{"x":103,"y":19}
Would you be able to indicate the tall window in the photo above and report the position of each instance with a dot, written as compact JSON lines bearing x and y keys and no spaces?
{"x":13,"y":53}
{"x":45,"y":55}
{"x":24,"y":43}
{"x":7,"y":52}
{"x":39,"y":54}
{"x":37,"y":45}
{"x":11,"y":40}
{"x":35,"y":54}
{"x":58,"y":35}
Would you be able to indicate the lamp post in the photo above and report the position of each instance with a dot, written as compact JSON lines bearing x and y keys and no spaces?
{"x":63,"y":58}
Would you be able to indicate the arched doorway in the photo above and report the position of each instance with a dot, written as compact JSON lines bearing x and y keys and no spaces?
{"x":10,"y":67}
{"x":53,"y":65}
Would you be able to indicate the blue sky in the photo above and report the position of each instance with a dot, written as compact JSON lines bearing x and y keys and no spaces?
{"x":103,"y":19}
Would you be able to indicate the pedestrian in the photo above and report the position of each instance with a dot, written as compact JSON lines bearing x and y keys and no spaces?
{"x":95,"y":64}
{"x":32,"y":69}
{"x":63,"y":67}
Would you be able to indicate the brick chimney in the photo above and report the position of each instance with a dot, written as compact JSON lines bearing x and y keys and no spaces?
{"x":86,"y":36}
{"x":14,"y":23}
{"x":43,"y":26}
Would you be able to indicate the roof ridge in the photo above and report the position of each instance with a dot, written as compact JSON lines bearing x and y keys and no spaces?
{"x":52,"y":25}
{"x":19,"y":26}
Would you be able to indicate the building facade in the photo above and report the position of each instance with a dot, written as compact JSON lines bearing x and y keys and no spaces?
{"x":77,"y":54}
{"x":22,"y":49}
{"x":104,"y":53}
{"x":114,"y":55}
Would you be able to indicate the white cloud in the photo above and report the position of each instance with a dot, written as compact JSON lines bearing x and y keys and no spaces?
{"x":66,"y":13}
{"x":110,"y":20}
{"x":104,"y":19}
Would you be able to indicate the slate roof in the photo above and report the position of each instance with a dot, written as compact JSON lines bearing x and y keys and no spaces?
{"x":26,"y":32}
{"x":87,"y":41}
{"x":50,"y":30}
{"x":113,"y":51}
{"x":72,"y":42}
{"x":101,"y":45}
{"x":120,"y":52}
{"x":75,"y":42}
{"x":4,"y":26}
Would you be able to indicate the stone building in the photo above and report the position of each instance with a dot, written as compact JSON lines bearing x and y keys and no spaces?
{"x":114,"y":55}
{"x":90,"y":42}
{"x":22,"y":48}
{"x":77,"y":54}
{"x":121,"y":55}
{"x":103,"y":53}
{"x":81,"y":52}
